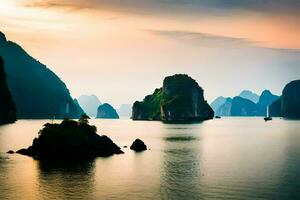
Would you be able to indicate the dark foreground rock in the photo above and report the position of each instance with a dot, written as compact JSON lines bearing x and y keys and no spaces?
{"x":138,"y":145}
{"x":7,"y":105}
{"x":70,"y":140}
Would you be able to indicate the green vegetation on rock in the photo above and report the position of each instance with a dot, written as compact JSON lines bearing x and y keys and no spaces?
{"x":179,"y":100}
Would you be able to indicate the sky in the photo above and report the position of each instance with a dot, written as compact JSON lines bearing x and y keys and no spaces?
{"x":121,"y":50}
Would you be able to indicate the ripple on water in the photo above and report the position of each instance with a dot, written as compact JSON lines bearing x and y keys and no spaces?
{"x":182,"y":138}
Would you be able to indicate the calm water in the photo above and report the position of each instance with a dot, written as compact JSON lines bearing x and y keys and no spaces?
{"x":230,"y":158}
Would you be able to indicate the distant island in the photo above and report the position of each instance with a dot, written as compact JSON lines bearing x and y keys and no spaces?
{"x":106,"y":111}
{"x":180,"y":99}
{"x":37,"y":91}
{"x":90,"y":104}
{"x":244,"y":105}
{"x":288,"y":105}
{"x":70,"y":140}
{"x":7,"y":105}
{"x":125,"y":110}
{"x":252,"y":96}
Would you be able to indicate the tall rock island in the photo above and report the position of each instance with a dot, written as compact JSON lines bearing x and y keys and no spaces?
{"x":7,"y":105}
{"x":90,"y":104}
{"x":288,"y":105}
{"x":106,"y":111}
{"x":37,"y":91}
{"x":179,"y":100}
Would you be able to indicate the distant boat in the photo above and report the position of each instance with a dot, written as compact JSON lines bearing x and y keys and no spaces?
{"x":218,"y":117}
{"x":268,"y":118}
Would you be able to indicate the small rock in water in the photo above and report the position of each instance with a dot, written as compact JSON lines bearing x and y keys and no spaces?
{"x":138,"y":145}
{"x":10,"y":152}
{"x":125,"y":146}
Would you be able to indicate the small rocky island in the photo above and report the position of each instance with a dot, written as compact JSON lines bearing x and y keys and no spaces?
{"x":70,"y":140}
{"x":138,"y":146}
{"x":179,"y":100}
{"x":7,"y":105}
{"x":106,"y":111}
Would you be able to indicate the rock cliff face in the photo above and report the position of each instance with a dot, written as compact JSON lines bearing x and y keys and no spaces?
{"x":217,"y":103}
{"x":106,"y":111}
{"x":90,"y":104}
{"x":37,"y":91}
{"x":179,"y":100}
{"x":239,"y":106}
{"x":288,"y":105}
{"x":247,"y":94}
{"x":225,"y":108}
{"x":7,"y":106}
{"x":265,"y":99}
{"x":242,"y":107}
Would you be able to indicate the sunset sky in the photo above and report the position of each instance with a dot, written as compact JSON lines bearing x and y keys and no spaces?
{"x":120,"y":50}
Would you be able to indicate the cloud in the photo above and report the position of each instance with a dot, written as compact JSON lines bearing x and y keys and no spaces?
{"x":170,"y":6}
{"x":62,"y":4}
{"x":203,"y":39}
{"x":215,"y":41}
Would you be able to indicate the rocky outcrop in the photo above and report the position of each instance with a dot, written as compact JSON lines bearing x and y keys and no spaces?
{"x":288,"y":105}
{"x":106,"y":111}
{"x":70,"y":140}
{"x":138,"y":145}
{"x":90,"y":104}
{"x":7,"y":105}
{"x":239,"y":106}
{"x":243,"y":107}
{"x":179,"y":100}
{"x":265,"y":99}
{"x":217,"y":103}
{"x":247,"y":94}
{"x":37,"y":91}
{"x":225,"y":108}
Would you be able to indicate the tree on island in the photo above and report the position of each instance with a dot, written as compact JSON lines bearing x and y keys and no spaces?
{"x":70,"y":140}
{"x":84,"y":119}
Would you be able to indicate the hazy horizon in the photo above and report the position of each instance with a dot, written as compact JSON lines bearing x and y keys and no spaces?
{"x":122,"y":50}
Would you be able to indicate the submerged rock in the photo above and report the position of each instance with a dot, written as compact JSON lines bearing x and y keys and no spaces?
{"x":138,"y":145}
{"x":70,"y":140}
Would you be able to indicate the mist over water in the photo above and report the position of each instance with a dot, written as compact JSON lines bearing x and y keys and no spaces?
{"x":230,"y":158}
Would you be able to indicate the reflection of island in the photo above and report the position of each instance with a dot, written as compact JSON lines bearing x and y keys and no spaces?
{"x":66,"y":180}
{"x":181,"y":172}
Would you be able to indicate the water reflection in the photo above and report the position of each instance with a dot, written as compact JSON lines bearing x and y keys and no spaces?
{"x":66,"y":180}
{"x":231,"y":158}
{"x":290,"y":173}
{"x":180,"y":166}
